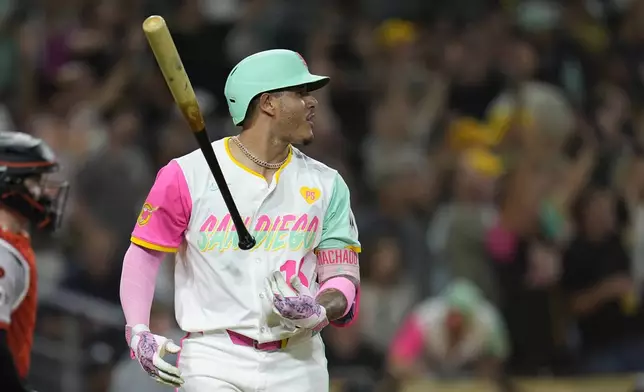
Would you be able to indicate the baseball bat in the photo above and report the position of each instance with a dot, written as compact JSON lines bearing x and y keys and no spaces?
{"x":165,"y":52}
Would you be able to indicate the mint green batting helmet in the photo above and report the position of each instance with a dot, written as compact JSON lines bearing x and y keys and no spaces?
{"x":265,"y":71}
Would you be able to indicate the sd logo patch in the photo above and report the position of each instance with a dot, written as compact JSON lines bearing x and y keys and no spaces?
{"x":146,"y":214}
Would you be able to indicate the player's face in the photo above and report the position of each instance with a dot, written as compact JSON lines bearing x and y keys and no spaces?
{"x":295,"y":119}
{"x":33,"y":184}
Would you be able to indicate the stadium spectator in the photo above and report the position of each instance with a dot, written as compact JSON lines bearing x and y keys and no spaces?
{"x":597,"y":277}
{"x":387,"y":291}
{"x":456,"y":334}
{"x":552,"y":92}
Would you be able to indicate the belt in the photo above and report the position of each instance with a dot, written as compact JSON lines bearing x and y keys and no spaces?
{"x":242,"y":340}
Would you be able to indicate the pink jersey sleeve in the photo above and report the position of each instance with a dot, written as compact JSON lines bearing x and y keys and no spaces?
{"x":166,"y":212}
{"x":409,"y":342}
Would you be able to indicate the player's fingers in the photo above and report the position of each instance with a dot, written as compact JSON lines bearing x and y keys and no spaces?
{"x":276,"y":286}
{"x":281,"y":281}
{"x":270,"y":287}
{"x":276,"y":299}
{"x":276,"y":278}
{"x":296,"y":283}
{"x":167,"y":379}
{"x":162,"y":381}
{"x":171,"y":347}
{"x":285,"y":287}
{"x":164,"y":366}
{"x":167,"y":371}
{"x":172,"y":379}
{"x":272,"y":282}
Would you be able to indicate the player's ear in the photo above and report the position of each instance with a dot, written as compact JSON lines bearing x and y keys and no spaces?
{"x":268,"y":104}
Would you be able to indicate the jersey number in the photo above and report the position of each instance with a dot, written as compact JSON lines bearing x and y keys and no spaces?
{"x":289,"y":269}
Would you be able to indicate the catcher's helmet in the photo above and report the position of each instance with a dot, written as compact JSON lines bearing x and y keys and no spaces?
{"x":270,"y":70}
{"x":25,"y":162}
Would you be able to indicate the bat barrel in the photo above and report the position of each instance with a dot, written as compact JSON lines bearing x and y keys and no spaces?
{"x":167,"y":56}
{"x":158,"y":35}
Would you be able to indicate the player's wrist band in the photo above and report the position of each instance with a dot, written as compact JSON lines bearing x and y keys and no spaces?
{"x":343,"y":285}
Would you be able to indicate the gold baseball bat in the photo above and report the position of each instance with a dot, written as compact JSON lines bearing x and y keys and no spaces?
{"x":167,"y":56}
{"x":165,"y":52}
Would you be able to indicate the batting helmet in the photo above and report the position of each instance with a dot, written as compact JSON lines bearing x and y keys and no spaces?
{"x":23,"y":158}
{"x":270,"y":70}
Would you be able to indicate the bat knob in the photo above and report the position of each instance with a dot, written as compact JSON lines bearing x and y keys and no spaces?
{"x":246,"y":242}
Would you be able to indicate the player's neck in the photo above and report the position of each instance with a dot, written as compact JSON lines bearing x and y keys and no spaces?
{"x":264,"y":147}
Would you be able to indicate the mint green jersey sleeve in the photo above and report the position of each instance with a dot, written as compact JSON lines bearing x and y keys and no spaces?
{"x":339,"y":229}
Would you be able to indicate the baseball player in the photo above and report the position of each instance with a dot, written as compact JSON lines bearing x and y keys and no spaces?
{"x":252,"y":317}
{"x":26,"y":198}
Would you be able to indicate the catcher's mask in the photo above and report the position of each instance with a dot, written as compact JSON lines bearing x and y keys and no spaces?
{"x":26,"y":164}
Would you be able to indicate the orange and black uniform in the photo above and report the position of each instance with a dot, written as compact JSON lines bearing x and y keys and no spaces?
{"x":16,"y":334}
{"x":27,"y":193}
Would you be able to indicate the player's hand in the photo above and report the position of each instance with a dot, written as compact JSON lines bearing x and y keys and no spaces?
{"x":295,"y":303}
{"x":149,"y":350}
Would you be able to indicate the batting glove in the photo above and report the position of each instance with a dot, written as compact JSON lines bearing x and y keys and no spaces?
{"x":295,"y":303}
{"x":149,"y":350}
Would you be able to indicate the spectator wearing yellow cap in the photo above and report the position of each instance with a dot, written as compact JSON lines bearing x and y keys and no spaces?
{"x":457,"y":233}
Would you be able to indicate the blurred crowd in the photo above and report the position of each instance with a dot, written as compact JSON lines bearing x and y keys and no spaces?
{"x":494,"y":149}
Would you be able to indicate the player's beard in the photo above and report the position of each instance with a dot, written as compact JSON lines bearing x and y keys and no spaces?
{"x":298,"y":130}
{"x":308,"y":140}
{"x":304,"y":135}
{"x":302,"y":142}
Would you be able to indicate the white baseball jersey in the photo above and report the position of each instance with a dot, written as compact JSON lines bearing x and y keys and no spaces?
{"x":218,"y":286}
{"x":14,"y":280}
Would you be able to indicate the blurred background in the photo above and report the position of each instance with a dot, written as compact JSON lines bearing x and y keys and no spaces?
{"x":494,"y":149}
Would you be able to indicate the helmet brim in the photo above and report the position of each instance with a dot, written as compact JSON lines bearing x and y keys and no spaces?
{"x":310,"y":81}
{"x":315,"y":82}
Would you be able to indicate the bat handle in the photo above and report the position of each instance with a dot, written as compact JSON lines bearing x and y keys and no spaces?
{"x":246,"y":241}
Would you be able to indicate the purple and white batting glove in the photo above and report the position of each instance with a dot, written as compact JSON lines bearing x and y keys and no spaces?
{"x":295,"y":303}
{"x":149,"y":350}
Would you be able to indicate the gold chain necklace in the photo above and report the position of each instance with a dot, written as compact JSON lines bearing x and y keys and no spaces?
{"x":259,"y":162}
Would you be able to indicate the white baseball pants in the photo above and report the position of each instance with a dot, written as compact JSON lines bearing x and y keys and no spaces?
{"x":211,"y":362}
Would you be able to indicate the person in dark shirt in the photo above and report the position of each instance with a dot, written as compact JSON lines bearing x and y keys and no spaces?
{"x":527,"y":266}
{"x":598,"y":283}
{"x":526,"y":307}
{"x":352,"y":362}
